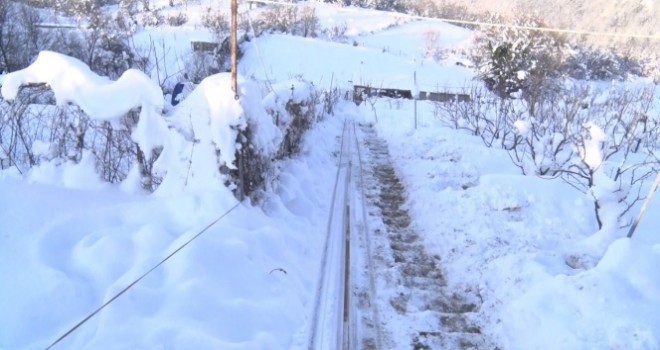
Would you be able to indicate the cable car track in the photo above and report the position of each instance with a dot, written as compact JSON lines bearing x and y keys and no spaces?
{"x":418,"y":309}
{"x":344,"y":316}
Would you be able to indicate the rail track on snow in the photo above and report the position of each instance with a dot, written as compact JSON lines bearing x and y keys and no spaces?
{"x":378,"y":287}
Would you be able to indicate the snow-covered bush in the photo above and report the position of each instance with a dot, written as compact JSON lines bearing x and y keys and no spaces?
{"x":200,"y":65}
{"x":547,"y":133}
{"x":289,"y":19}
{"x":244,"y":136}
{"x":511,"y":60}
{"x":108,"y":47}
{"x":177,"y":19}
{"x":485,"y":116}
{"x":280,"y":18}
{"x":337,"y":32}
{"x":602,"y":143}
{"x":16,"y":135}
{"x":616,"y":152}
{"x":432,"y":47}
{"x":308,"y":23}
{"x":210,"y":140}
{"x":600,"y":64}
{"x":216,"y":21}
{"x":36,"y":133}
{"x":292,"y":105}
{"x":94,"y":117}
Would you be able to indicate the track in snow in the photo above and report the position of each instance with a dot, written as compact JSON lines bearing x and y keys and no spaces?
{"x":378,"y":287}
{"x":420,"y":312}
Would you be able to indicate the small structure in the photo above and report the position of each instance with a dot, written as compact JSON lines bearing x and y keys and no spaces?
{"x":360,"y":91}
{"x":181,"y":91}
{"x":204,"y":46}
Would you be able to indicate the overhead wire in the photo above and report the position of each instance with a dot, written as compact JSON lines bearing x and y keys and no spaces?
{"x":95,"y":312}
{"x":261,"y":58}
{"x":655,"y":36}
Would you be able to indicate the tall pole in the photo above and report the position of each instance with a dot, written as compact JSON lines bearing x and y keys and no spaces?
{"x":234,"y":83}
{"x":234,"y":88}
{"x":644,"y":206}
{"x":415,"y":96}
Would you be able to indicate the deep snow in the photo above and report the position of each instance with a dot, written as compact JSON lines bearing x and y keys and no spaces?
{"x":64,"y":251}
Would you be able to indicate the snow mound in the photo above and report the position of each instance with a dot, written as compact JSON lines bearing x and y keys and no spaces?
{"x":292,"y":91}
{"x":100,"y":98}
{"x":614,"y":305}
{"x":206,"y":137}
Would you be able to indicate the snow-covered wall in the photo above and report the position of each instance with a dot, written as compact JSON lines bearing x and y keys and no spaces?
{"x":199,"y":139}
{"x":100,"y":98}
{"x":205,"y":131}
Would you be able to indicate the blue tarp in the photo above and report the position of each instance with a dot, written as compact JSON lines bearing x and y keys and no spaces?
{"x":178,"y":89}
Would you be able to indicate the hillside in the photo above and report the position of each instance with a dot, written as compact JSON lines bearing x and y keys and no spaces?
{"x":619,"y":16}
{"x":291,"y":214}
{"x":638,"y":17}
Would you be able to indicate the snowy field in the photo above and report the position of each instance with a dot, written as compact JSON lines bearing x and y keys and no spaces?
{"x":530,"y":247}
{"x":510,"y":237}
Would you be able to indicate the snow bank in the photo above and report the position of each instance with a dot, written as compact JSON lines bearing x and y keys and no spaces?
{"x":207,"y":124}
{"x":524,"y":243}
{"x":100,"y":98}
{"x":343,"y":65}
{"x":613,"y":306}
{"x":246,"y":283}
{"x":295,"y":91}
{"x":81,"y":175}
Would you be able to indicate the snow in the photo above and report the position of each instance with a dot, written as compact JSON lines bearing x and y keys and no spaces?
{"x":529,"y":246}
{"x":349,"y":65}
{"x":589,"y":298}
{"x":73,"y":82}
{"x":591,"y":153}
{"x":297,"y":91}
{"x":221,"y":292}
{"x":81,"y":175}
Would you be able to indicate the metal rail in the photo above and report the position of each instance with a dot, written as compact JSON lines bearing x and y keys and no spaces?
{"x":333,"y":323}
{"x":318,"y":339}
{"x":367,"y":239}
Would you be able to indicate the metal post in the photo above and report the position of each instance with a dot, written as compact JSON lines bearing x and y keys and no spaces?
{"x":415,"y":96}
{"x":234,"y":83}
{"x":646,"y":203}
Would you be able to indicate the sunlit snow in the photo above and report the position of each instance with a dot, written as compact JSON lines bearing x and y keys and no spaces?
{"x":530,"y":247}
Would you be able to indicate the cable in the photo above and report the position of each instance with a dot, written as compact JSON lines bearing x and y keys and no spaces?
{"x":140,"y":278}
{"x":261,"y":59}
{"x":366,"y":233}
{"x":326,"y":247}
{"x":512,"y":26}
{"x":548,"y":29}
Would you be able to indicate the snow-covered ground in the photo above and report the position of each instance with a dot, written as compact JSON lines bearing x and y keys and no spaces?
{"x":249,"y":282}
{"x":512,"y":237}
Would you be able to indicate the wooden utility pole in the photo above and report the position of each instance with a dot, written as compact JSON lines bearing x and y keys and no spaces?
{"x":644,"y":206}
{"x":415,"y":93}
{"x":234,"y":88}
{"x":234,"y":49}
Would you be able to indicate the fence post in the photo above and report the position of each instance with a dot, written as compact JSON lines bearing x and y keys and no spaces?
{"x":646,"y":203}
{"x":415,"y":93}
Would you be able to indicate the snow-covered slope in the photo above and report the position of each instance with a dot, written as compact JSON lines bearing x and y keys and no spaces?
{"x":511,"y":238}
{"x":520,"y":243}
